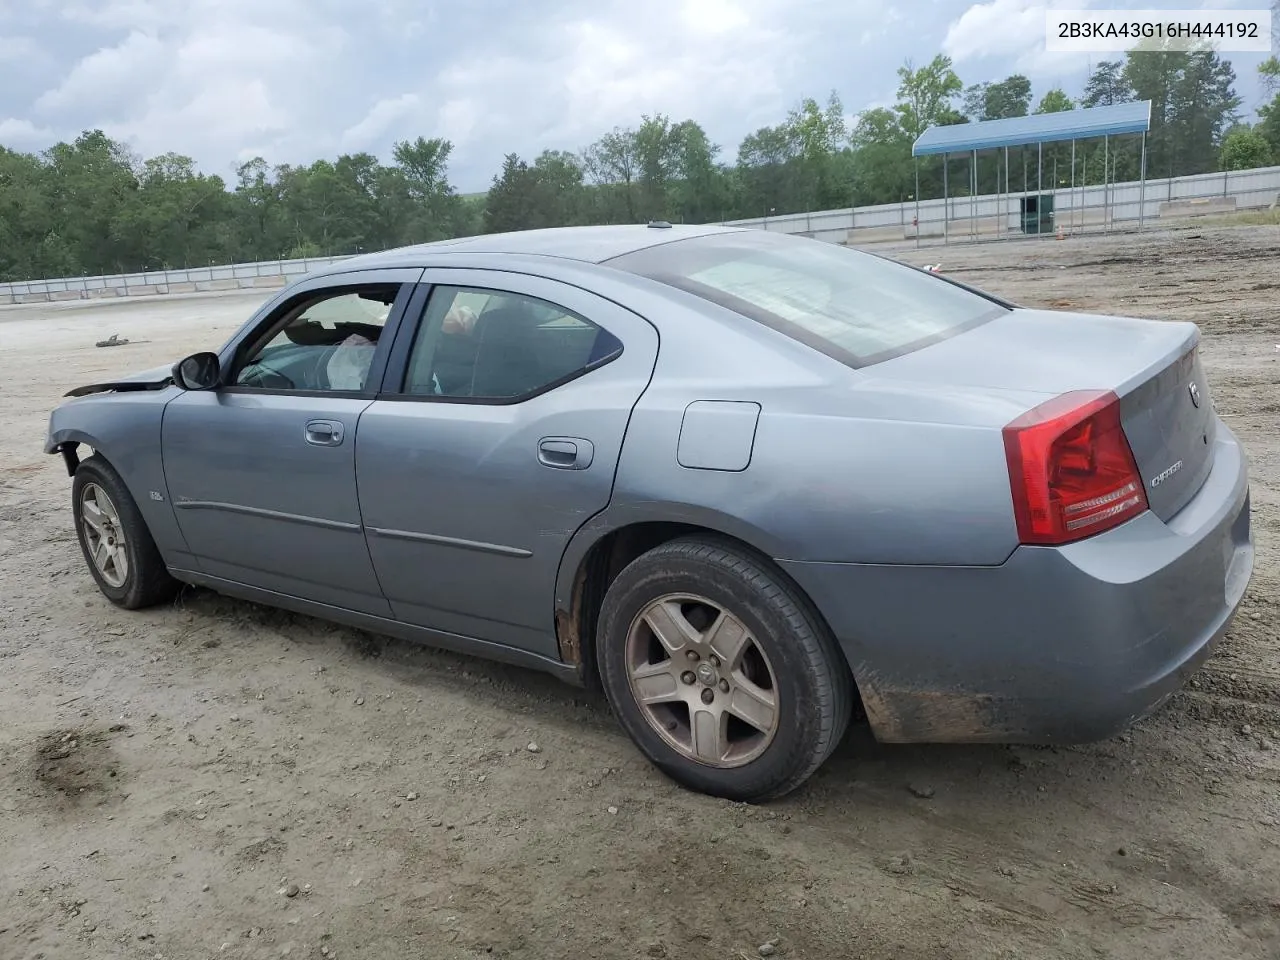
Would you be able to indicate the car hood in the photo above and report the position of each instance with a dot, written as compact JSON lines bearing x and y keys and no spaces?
{"x":156,"y":378}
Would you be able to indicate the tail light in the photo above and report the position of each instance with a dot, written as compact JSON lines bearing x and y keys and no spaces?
{"x":1071,"y":470}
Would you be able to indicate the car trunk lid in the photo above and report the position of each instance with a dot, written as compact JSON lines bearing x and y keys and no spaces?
{"x":1154,"y":368}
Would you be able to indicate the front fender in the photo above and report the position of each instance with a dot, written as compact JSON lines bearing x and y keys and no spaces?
{"x":67,"y":438}
{"x":124,"y":429}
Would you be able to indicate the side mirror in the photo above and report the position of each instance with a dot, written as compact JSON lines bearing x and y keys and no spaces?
{"x":199,"y":371}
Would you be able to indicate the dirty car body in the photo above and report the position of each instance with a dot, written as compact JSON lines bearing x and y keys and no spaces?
{"x":1017,"y":525}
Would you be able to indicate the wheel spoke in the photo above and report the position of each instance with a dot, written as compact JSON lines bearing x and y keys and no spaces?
{"x":656,"y":683}
{"x":101,"y":554}
{"x":753,"y":704}
{"x":108,"y":508}
{"x":120,"y":561}
{"x":671,"y":628}
{"x":92,"y":515}
{"x":727,"y":637}
{"x":708,"y":731}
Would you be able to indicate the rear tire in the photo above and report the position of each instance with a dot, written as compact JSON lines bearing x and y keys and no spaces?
{"x":115,"y":541}
{"x":720,"y":671}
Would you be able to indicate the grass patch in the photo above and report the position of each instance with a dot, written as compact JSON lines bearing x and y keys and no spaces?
{"x":1246,"y":218}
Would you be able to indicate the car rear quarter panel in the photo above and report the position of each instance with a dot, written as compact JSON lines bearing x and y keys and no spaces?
{"x":844,"y":466}
{"x":125,"y":429}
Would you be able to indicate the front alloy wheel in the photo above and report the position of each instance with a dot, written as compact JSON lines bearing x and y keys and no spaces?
{"x":117,"y":546}
{"x":104,"y":536}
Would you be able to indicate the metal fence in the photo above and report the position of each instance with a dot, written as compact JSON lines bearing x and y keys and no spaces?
{"x":1073,"y":209}
{"x":269,"y":273}
{"x":989,"y":217}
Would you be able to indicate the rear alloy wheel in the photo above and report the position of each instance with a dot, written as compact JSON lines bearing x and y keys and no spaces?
{"x":701,"y":681}
{"x":720,"y":671}
{"x":115,"y":540}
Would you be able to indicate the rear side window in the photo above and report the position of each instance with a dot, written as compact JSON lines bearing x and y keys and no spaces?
{"x":853,"y":306}
{"x":495,"y":346}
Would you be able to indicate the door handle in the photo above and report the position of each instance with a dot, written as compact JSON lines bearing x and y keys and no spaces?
{"x":323,"y":433}
{"x":565,"y":453}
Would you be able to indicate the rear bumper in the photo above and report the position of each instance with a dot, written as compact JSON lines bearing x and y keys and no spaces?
{"x":1056,"y":645}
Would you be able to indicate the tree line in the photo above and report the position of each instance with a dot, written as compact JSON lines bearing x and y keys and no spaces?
{"x":90,"y":207}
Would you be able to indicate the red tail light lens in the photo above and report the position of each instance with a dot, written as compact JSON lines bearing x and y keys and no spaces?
{"x":1071,"y":470}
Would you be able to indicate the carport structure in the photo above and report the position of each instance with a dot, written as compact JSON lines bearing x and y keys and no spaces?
{"x":1036,"y":213}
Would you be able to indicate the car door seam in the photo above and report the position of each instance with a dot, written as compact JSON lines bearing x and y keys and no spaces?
{"x":355,"y":474}
{"x":164,"y":473}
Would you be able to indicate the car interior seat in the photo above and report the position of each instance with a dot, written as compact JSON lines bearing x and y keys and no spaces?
{"x":506,"y":363}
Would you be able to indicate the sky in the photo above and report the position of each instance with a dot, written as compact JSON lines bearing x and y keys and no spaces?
{"x":294,"y":80}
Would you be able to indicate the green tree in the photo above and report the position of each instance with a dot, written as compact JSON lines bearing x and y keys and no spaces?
{"x":816,"y":135}
{"x":1269,"y":73}
{"x":1010,"y":97}
{"x":178,"y":217}
{"x":561,"y":193}
{"x":1107,"y":85}
{"x":93,"y":183}
{"x":1055,"y":101}
{"x":1244,"y":149}
{"x":437,"y":212}
{"x":613,"y":163}
{"x":926,"y":95}
{"x":881,"y":151}
{"x":657,"y":152}
{"x":926,"y":98}
{"x":1269,"y":69}
{"x":261,"y":228}
{"x":1193,"y":103}
{"x":703,"y":191}
{"x":1205,"y":107}
{"x":30,"y":246}
{"x":510,"y":202}
{"x":763,"y":159}
{"x":1269,"y":125}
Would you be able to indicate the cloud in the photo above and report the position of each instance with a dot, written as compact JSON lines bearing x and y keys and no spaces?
{"x":202,"y":78}
{"x":1012,"y":32}
{"x":108,"y":77}
{"x":295,"y":80}
{"x":380,"y":119}
{"x":23,"y":133}
{"x":578,"y":75}
{"x":18,"y":50}
{"x":299,"y":79}
{"x":237,"y":111}
{"x":996,"y":28}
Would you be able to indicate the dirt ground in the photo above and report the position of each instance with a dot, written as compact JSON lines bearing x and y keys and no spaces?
{"x":169,"y":778}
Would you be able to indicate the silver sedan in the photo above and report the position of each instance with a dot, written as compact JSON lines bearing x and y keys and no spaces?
{"x":744,"y":483}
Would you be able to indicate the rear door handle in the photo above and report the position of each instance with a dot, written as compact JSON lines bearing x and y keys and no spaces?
{"x":323,"y":433}
{"x":566,"y":453}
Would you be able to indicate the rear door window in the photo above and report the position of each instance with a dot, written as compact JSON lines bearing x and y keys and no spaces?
{"x":497,"y":346}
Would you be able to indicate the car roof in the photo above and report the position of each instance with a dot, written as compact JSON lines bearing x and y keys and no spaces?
{"x":587,"y":244}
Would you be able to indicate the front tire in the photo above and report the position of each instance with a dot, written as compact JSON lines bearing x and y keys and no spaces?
{"x":719,"y":670}
{"x":115,"y":541}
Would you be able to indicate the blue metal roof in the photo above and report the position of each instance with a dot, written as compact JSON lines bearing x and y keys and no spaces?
{"x":1038,"y":128}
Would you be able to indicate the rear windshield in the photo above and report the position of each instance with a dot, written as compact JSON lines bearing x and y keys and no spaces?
{"x":853,"y":306}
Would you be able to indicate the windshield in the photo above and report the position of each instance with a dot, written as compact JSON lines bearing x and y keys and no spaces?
{"x":850,"y":305}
